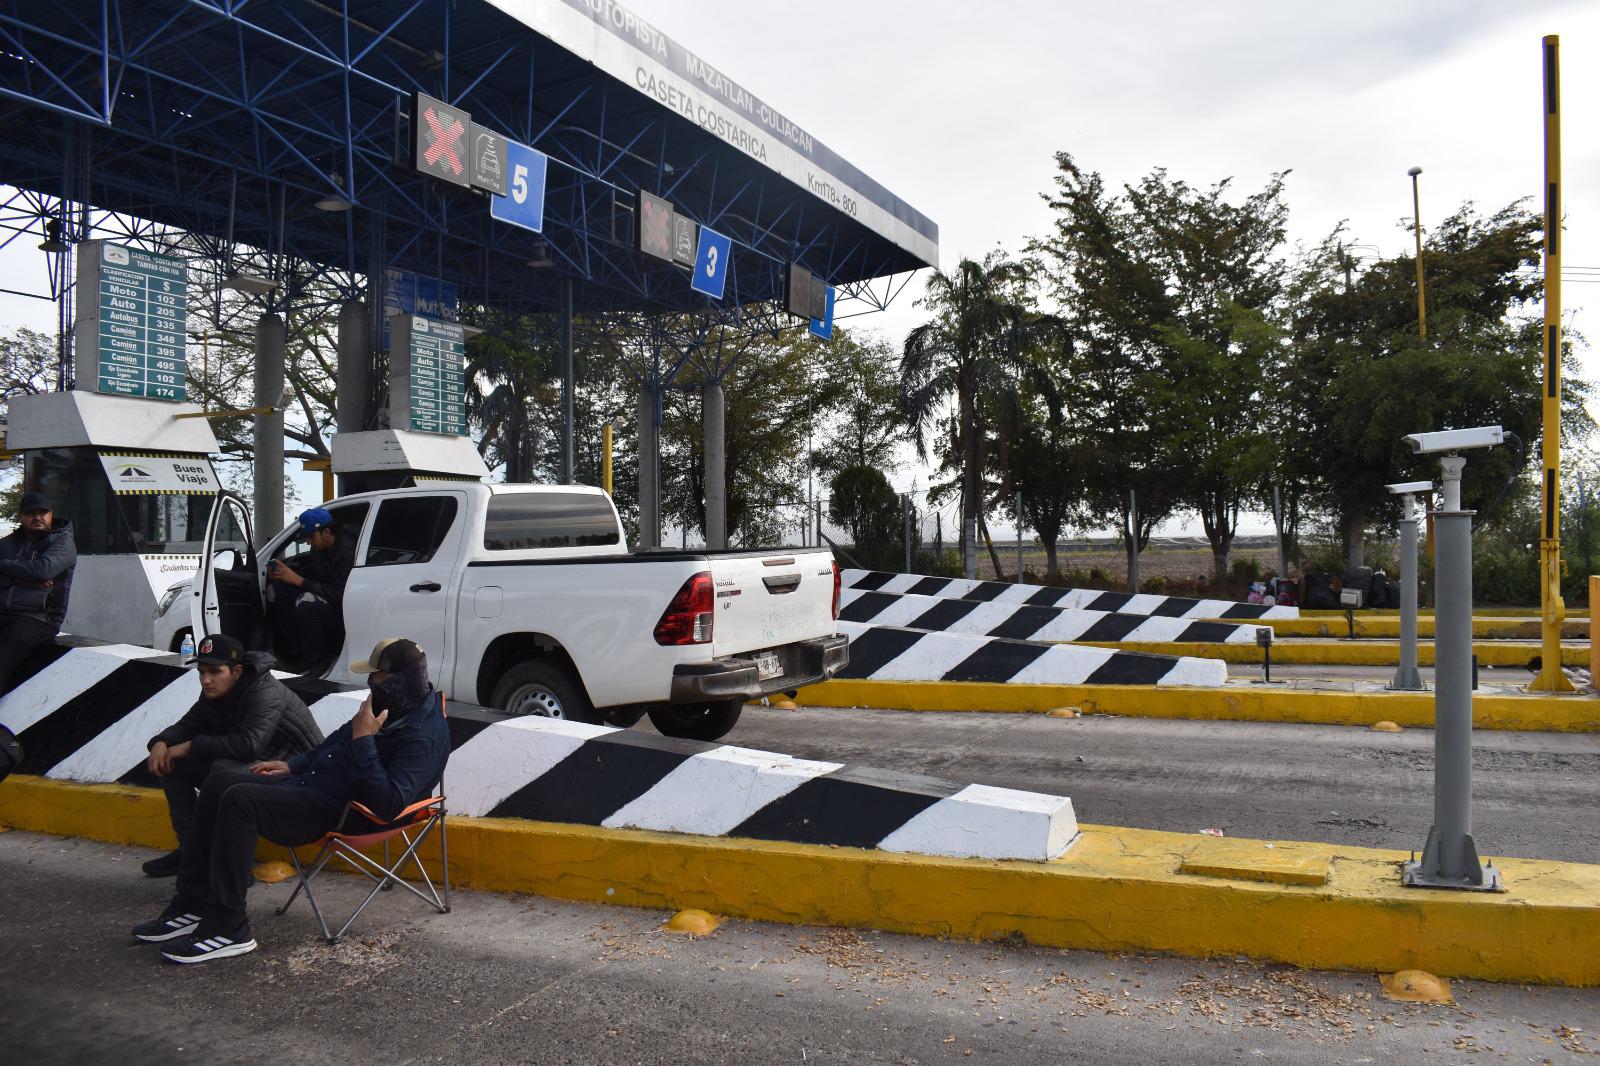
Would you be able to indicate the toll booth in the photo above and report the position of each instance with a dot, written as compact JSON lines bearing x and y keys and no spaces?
{"x":402,"y":458}
{"x":135,"y":479}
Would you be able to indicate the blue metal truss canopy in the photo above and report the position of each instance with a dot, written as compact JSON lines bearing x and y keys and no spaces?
{"x":233,"y":118}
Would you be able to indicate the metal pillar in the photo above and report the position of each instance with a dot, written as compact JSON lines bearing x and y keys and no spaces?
{"x":568,"y":388}
{"x":271,"y":342}
{"x":1277,"y":524}
{"x":1553,"y":610}
{"x":649,"y":488}
{"x":1019,"y":536}
{"x":905,"y":521}
{"x":716,"y":467}
{"x":1406,"y":677}
{"x":355,"y":367}
{"x":1133,"y":545}
{"x":1450,"y":857}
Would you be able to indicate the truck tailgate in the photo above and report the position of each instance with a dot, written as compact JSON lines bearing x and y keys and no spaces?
{"x":772,"y":599}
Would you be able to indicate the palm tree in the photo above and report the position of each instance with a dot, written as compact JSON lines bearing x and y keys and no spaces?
{"x":976,"y":346}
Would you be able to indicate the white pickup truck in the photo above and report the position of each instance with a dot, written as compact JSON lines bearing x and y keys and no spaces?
{"x":527,"y":598}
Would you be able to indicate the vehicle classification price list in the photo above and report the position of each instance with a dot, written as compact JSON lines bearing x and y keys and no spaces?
{"x":427,"y":375}
{"x":133,"y":307}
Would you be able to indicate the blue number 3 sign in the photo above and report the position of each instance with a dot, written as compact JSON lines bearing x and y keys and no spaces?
{"x":711,"y":263}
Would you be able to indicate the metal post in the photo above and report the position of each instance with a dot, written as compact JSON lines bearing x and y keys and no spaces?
{"x":649,"y":500}
{"x":605,"y":457}
{"x":716,"y":491}
{"x":1277,"y":522}
{"x":355,"y":368}
{"x":271,"y":342}
{"x":1133,"y":530}
{"x":568,"y":388}
{"x":905,"y":519}
{"x":938,"y":539}
{"x":1407,"y":677}
{"x":1019,"y":536}
{"x":1416,"y":216}
{"x":1450,"y":857}
{"x":818,"y":504}
{"x":1552,"y":610}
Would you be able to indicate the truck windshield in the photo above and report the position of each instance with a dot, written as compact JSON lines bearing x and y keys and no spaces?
{"x":520,"y":520}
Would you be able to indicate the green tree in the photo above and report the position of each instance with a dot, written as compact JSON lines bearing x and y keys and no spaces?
{"x":865,"y":425}
{"x":861,"y":501}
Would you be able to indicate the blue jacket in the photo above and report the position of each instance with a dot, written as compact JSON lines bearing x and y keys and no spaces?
{"x":384,"y":773}
{"x":36,"y":573}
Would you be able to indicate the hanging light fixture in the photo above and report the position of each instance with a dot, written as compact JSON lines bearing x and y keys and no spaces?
{"x":54,"y":239}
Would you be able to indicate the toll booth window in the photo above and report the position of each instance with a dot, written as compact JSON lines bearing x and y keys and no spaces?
{"x":519,"y":520}
{"x":410,"y":529}
{"x":347,"y":523}
{"x":175,"y":524}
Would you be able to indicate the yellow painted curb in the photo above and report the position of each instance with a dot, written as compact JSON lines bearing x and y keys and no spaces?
{"x":1389,"y":626}
{"x":1346,"y":652}
{"x":1578,"y":713}
{"x":1114,"y":890}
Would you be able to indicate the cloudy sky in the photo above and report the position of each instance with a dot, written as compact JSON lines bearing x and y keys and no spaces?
{"x":959,"y":108}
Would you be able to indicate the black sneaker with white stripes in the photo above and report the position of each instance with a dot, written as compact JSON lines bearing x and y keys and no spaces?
{"x":204,"y":946}
{"x":179,"y":919}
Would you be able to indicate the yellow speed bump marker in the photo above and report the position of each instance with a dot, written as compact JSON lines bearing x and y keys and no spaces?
{"x":270,"y":873}
{"x":693,"y":921}
{"x":1415,"y":986}
{"x":1386,"y":726}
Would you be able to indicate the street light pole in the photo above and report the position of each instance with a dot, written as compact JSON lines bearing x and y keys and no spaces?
{"x":1416,"y":215}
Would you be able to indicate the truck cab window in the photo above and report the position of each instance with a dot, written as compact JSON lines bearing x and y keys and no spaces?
{"x":520,"y":520}
{"x":410,"y":529}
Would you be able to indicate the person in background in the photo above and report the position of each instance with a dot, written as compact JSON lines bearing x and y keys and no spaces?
{"x":390,"y":755}
{"x":243,"y":715}
{"x":306,"y":595}
{"x":36,"y":564}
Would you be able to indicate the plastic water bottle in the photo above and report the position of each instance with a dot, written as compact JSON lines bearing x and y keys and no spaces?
{"x":187,"y":649}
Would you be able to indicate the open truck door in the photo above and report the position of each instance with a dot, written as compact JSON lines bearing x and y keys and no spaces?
{"x":225,"y":596}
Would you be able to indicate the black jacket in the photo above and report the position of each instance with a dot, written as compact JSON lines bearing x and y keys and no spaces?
{"x":384,"y":773}
{"x":258,"y":719}
{"x":326,"y":572}
{"x":36,"y":573}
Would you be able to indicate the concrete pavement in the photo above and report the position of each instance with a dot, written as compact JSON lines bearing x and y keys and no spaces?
{"x":508,"y":979}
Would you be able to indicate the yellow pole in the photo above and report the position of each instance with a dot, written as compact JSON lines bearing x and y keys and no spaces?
{"x":1552,"y":610}
{"x":1416,"y":217}
{"x":605,"y":457}
{"x":1594,"y":630}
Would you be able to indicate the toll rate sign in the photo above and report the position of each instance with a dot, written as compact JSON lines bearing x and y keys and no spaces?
{"x":133,"y":309}
{"x":523,"y":202}
{"x":427,"y":375}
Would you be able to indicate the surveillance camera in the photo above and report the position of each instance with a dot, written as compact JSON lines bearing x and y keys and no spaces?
{"x":1455,"y":440}
{"x":1409,"y":486}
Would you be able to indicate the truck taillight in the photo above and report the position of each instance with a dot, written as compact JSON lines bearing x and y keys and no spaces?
{"x":838,"y":583}
{"x":689,"y":618}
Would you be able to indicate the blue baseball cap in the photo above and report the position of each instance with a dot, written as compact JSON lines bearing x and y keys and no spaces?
{"x":313,"y":519}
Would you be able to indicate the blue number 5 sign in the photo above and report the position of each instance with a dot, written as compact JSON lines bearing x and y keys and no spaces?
{"x":711,"y":263}
{"x":523,"y":205}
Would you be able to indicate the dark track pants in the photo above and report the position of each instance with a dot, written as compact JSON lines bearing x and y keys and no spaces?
{"x":19,"y":635}
{"x":183,"y":784}
{"x":234,"y":809}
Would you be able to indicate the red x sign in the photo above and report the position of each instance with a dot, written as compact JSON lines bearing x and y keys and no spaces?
{"x":443,"y":139}
{"x":440,"y":139}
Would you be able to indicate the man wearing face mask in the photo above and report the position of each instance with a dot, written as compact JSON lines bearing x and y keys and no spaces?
{"x":391,"y":754}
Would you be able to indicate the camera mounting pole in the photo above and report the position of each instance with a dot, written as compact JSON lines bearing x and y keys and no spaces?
{"x":1407,"y":678}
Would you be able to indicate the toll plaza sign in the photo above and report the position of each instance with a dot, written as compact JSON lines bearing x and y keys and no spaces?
{"x":427,"y":375}
{"x":441,"y":137}
{"x":133,"y":306}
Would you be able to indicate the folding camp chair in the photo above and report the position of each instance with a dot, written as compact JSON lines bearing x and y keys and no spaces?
{"x":421,"y":818}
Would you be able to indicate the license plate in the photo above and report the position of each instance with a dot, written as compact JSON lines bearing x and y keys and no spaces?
{"x":768,"y":665}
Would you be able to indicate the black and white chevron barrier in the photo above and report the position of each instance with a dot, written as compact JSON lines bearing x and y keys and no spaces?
{"x":83,"y":712}
{"x":1050,"y":596}
{"x":891,"y":653}
{"x":1022,"y":621}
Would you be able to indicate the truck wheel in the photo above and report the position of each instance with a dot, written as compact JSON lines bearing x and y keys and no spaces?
{"x":696,"y":721}
{"x":542,"y":688}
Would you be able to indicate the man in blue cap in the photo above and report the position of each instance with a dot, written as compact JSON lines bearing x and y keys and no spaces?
{"x":36,"y":564}
{"x":306,"y":596}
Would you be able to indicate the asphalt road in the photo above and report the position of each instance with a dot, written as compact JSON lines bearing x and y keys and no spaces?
{"x":514,"y":979}
{"x":1535,"y":794}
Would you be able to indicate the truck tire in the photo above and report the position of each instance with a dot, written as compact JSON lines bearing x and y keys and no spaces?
{"x":696,"y":721}
{"x":543,"y":688}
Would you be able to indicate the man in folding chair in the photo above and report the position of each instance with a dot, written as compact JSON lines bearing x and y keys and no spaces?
{"x":390,"y":755}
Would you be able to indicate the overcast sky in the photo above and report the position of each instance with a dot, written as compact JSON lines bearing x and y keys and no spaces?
{"x":959,"y":108}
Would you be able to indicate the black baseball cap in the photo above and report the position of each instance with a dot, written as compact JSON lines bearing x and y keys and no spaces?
{"x":33,"y":501}
{"x":390,"y":655}
{"x":218,"y":650}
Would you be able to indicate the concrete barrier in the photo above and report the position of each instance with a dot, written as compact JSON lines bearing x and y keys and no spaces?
{"x":84,"y":713}
{"x":1021,"y":621}
{"x":1051,"y":596}
{"x":891,"y":653}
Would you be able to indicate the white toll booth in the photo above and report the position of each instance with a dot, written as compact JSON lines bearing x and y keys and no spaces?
{"x":400,"y":458}
{"x":137,"y":484}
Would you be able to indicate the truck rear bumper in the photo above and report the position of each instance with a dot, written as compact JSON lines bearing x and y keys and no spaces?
{"x":733,"y":677}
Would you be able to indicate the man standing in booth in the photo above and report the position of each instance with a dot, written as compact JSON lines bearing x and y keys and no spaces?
{"x":36,"y":564}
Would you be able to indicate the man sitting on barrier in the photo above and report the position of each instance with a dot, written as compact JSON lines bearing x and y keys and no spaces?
{"x":306,"y":596}
{"x":391,"y":754}
{"x":243,"y":715}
